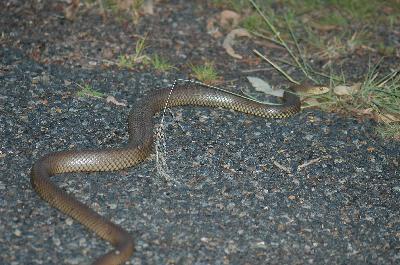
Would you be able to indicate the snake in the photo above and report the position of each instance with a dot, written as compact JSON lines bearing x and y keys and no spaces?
{"x":138,"y":148}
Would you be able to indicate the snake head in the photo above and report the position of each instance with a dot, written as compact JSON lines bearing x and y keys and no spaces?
{"x":305,"y":90}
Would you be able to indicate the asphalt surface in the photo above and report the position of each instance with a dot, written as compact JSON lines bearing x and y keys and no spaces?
{"x":315,"y":188}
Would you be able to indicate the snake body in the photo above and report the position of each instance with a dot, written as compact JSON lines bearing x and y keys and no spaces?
{"x":140,"y":128}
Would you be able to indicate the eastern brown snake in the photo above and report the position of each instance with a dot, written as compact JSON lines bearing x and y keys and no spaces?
{"x":139,"y":147}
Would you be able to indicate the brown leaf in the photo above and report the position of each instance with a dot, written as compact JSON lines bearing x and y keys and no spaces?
{"x":124,"y":4}
{"x":212,"y":29}
{"x":342,"y":90}
{"x":230,"y":40}
{"x":72,"y":9}
{"x":368,"y":111}
{"x":323,"y":27}
{"x":226,"y":20}
{"x":311,"y":102}
{"x":148,"y":7}
{"x":113,"y":100}
{"x":371,"y":149}
{"x":229,"y":19}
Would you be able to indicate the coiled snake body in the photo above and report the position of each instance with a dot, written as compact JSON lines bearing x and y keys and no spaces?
{"x":138,"y":148}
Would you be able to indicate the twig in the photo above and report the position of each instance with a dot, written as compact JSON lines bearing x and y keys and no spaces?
{"x":276,"y":67}
{"x":312,"y":70}
{"x":304,"y":64}
{"x":276,"y":33}
{"x":312,"y":161}
{"x":286,"y":169}
{"x":267,"y":38}
{"x":257,"y":70}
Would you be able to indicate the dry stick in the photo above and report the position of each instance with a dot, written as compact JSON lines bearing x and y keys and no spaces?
{"x":265,"y":37}
{"x":312,"y":70}
{"x":387,"y":78}
{"x":276,"y":67}
{"x":278,"y":36}
{"x":304,"y":64}
{"x":282,"y":167}
{"x":310,"y":162}
{"x":246,"y":71}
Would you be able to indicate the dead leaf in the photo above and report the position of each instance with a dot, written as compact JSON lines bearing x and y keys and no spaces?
{"x":125,"y":4}
{"x":113,"y":100}
{"x":230,"y":40}
{"x":368,"y":111}
{"x":107,"y":53}
{"x":310,"y":102}
{"x":212,"y":29}
{"x":321,"y":27}
{"x":226,"y":19}
{"x":342,"y":90}
{"x":356,"y":86}
{"x":229,"y":19}
{"x":371,"y":149}
{"x":148,"y":7}
{"x":264,"y":87}
{"x":387,"y":10}
{"x":72,"y":9}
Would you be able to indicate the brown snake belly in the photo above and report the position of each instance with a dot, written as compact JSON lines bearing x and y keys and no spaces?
{"x":140,"y":128}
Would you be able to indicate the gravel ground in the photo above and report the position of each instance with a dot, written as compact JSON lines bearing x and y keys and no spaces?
{"x":316,"y":188}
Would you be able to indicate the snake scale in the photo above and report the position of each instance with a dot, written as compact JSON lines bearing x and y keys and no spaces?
{"x":139,"y":147}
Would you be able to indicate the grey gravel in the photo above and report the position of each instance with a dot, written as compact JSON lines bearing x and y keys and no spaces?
{"x":314,"y":189}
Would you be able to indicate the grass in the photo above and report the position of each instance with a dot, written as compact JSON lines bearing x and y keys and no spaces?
{"x":108,"y":5}
{"x":205,"y":73}
{"x":125,"y":61}
{"x":139,"y":57}
{"x":389,"y":131}
{"x":129,"y":61}
{"x":381,"y":94}
{"x":334,"y":11}
{"x":135,"y":9}
{"x":88,"y":91}
{"x":140,"y":46}
{"x":122,"y":10}
{"x":160,"y":64}
{"x":358,"y":20}
{"x":378,"y":96}
{"x":236,"y":5}
{"x":252,"y":22}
